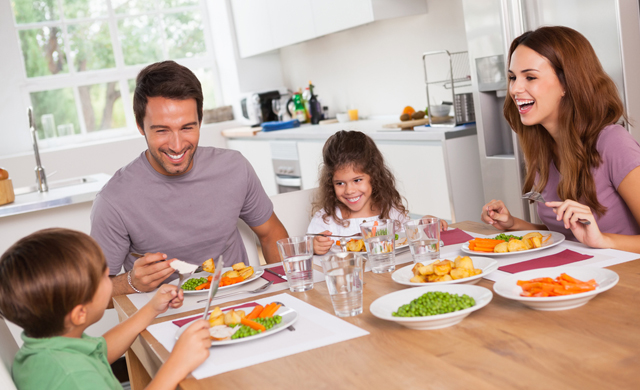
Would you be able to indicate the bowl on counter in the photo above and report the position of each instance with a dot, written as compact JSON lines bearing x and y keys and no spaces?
{"x":439,"y":110}
{"x":342,"y":117}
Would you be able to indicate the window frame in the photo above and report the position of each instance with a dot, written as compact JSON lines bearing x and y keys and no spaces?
{"x":120,"y":73}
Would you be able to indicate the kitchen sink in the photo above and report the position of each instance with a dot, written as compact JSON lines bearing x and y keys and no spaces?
{"x":55,"y":184}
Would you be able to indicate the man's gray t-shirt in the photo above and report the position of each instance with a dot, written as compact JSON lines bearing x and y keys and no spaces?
{"x":191,"y":217}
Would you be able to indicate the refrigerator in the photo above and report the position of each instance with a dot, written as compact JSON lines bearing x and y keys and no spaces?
{"x":612,"y":27}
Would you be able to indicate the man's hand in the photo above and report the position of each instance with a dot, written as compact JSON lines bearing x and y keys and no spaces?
{"x":150,"y":270}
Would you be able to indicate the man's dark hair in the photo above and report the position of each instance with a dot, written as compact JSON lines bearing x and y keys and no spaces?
{"x":169,"y":80}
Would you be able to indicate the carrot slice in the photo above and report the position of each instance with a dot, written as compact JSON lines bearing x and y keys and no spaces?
{"x":272,"y":311}
{"x":255,"y":312}
{"x":252,"y":324}
{"x":266,"y":310}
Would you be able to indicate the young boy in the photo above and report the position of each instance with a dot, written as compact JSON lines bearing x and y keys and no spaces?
{"x":54,"y":284}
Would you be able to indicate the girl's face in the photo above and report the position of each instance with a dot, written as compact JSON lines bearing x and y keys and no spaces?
{"x":535,"y":88}
{"x":353,"y":189}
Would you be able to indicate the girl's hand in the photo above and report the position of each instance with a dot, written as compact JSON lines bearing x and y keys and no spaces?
{"x":191,"y":349}
{"x":496,"y":214}
{"x":443,"y":224}
{"x":166,"y":296}
{"x":569,"y":212}
{"x":321,"y":245}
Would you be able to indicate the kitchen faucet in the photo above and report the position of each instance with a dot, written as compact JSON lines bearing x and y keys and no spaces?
{"x":41,"y":178}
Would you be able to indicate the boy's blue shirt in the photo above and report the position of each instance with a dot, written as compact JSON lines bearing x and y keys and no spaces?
{"x":63,"y":363}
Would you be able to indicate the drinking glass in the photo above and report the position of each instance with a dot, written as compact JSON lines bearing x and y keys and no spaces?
{"x":344,"y":275}
{"x":277,"y":107}
{"x":296,"y":254}
{"x":424,"y":238}
{"x":379,"y":239}
{"x":48,"y":125}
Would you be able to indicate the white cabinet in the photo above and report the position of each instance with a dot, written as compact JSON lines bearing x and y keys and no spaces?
{"x":310,"y":159}
{"x":258,"y":153}
{"x":265,"y":25}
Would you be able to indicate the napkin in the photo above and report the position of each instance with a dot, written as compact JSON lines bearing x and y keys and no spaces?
{"x":567,"y":256}
{"x":271,"y":277}
{"x":181,"y":322}
{"x":454,"y":236}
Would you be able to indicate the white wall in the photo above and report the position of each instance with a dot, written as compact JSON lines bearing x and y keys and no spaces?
{"x":376,"y":67}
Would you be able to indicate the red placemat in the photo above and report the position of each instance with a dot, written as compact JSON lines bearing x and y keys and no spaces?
{"x":454,"y":236}
{"x":567,"y":256}
{"x":183,"y":321}
{"x":271,"y":277}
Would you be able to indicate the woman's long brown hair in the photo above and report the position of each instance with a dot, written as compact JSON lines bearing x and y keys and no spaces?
{"x":357,"y":150}
{"x":590,"y":103}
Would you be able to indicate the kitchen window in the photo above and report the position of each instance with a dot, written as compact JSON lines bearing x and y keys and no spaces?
{"x":81,"y":58}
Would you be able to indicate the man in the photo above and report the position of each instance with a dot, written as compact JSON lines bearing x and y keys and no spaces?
{"x":177,"y":200}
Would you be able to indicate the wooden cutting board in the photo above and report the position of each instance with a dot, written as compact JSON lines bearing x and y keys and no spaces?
{"x":241,"y":132}
{"x":6,"y":192}
{"x":417,"y":122}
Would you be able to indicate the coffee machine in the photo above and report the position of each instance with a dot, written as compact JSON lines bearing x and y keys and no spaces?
{"x":257,"y":107}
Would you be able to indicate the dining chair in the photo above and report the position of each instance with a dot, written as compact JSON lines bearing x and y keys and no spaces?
{"x":249,"y":239}
{"x":294,"y":210}
{"x":8,"y":349}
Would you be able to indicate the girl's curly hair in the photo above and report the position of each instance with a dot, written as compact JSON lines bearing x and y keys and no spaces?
{"x":357,"y":150}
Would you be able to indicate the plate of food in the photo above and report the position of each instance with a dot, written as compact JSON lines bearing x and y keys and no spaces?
{"x":557,"y":288}
{"x":431,"y":307}
{"x":513,"y":243}
{"x":234,"y":276}
{"x":238,"y":326}
{"x":463,"y":270}
{"x":356,"y":244}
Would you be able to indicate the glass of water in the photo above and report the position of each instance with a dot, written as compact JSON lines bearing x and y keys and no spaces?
{"x":424,"y":238}
{"x":296,"y":254}
{"x":344,"y":275}
{"x":379,"y":239}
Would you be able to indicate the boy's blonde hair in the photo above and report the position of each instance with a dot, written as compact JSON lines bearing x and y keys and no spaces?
{"x":45,"y":275}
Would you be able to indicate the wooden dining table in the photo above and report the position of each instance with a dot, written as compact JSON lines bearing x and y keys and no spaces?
{"x":504,"y":345}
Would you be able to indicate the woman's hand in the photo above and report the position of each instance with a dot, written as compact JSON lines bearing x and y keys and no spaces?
{"x":167,"y":296}
{"x":496,"y":214}
{"x":321,"y":245}
{"x":569,"y":212}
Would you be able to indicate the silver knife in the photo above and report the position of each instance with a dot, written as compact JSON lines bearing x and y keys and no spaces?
{"x":276,"y":274}
{"x":215,"y":282}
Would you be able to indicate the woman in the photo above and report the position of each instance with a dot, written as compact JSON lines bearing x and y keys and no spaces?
{"x":564,"y":108}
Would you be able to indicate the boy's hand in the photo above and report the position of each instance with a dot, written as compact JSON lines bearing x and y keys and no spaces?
{"x":167,"y":296}
{"x":191,"y":349}
{"x":150,"y":270}
{"x":321,"y":245}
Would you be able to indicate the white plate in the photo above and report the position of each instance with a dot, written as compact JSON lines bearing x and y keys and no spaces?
{"x":256,"y":274}
{"x":289,"y":316}
{"x":399,"y":248}
{"x":556,"y":238}
{"x":487,"y":265}
{"x":508,"y":287}
{"x":387,"y":304}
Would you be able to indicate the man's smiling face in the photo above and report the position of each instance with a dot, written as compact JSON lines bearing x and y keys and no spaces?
{"x":172,"y":131}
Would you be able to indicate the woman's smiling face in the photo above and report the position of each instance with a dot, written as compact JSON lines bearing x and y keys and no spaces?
{"x":353,"y":189}
{"x":535,"y":88}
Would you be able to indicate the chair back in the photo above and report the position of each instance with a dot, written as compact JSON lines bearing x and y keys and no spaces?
{"x":294,"y":210}
{"x":249,"y":239}
{"x":8,"y":349}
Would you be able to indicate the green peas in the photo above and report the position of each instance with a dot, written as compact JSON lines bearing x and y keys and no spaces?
{"x":433,"y":303}
{"x":191,"y":284}
{"x":246,"y":331}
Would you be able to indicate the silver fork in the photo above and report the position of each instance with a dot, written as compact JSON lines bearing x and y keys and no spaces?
{"x":290,"y":327}
{"x":537,"y":197}
{"x":257,"y":290}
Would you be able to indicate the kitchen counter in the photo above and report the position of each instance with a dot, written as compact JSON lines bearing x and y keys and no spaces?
{"x":372,"y":127}
{"x":61,"y":193}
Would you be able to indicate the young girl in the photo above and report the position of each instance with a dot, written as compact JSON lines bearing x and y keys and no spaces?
{"x":54,"y":284}
{"x":355,"y":186}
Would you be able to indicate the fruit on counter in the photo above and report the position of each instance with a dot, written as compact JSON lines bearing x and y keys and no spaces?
{"x":548,"y":287}
{"x":4,"y":174}
{"x":418,"y":115}
{"x":444,"y":270}
{"x":405,"y":117}
{"x":408,"y":110}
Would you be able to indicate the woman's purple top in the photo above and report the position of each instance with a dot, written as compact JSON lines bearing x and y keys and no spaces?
{"x":620,"y":154}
